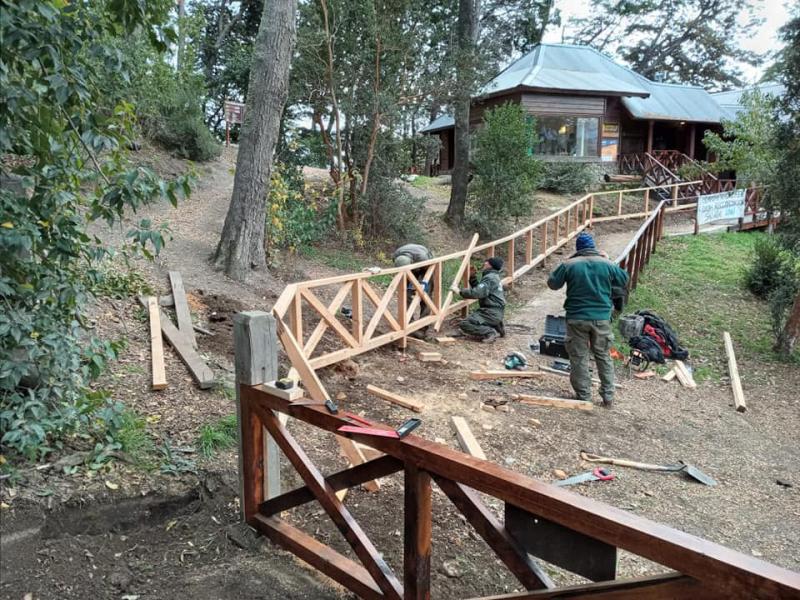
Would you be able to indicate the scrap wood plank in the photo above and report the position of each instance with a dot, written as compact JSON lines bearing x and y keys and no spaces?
{"x":430,"y":356}
{"x":670,"y":375}
{"x":394,"y":398}
{"x":198,"y":369}
{"x":683,"y":375}
{"x":156,"y":345}
{"x":445,"y":340}
{"x":736,"y":382}
{"x":552,"y":371}
{"x":467,"y":440}
{"x":555,"y":402}
{"x":182,"y":307}
{"x":506,"y":374}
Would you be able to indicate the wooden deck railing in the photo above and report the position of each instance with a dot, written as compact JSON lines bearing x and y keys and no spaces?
{"x":637,"y":253}
{"x":317,"y":332}
{"x":583,"y":535}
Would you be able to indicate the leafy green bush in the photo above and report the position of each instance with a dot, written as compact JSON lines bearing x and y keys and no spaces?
{"x":177,"y":125}
{"x":505,"y":170}
{"x":63,"y":153}
{"x":775,"y":275}
{"x":570,"y":178}
{"x":294,"y":220}
{"x":394,"y":214}
{"x":764,"y":274}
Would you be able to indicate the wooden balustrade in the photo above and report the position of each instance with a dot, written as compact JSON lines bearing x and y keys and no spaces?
{"x":637,"y":253}
{"x":577,"y":526}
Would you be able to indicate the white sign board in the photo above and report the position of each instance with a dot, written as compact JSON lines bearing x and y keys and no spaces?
{"x":720,"y":207}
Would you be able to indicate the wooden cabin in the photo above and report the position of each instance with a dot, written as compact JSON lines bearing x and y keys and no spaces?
{"x":590,"y":109}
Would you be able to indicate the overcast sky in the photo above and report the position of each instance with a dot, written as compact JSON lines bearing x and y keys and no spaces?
{"x":774,"y":12}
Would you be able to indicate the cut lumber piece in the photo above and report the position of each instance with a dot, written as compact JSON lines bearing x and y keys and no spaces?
{"x":506,"y":374}
{"x":551,"y":371}
{"x":555,"y":402}
{"x":670,"y":375}
{"x":683,"y":375}
{"x":394,"y":398}
{"x":467,"y":440}
{"x":182,"y":307}
{"x":156,"y":345}
{"x":733,"y":369}
{"x":291,"y":394}
{"x":445,"y":340}
{"x":198,"y":369}
{"x":430,"y":356}
{"x":419,"y":343}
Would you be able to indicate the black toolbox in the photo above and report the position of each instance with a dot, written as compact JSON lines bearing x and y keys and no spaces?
{"x":555,"y":332}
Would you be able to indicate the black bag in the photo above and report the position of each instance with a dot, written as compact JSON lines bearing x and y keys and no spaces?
{"x":647,"y":346}
{"x":666,"y":332}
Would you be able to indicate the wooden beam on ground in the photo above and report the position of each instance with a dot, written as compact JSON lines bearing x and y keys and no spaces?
{"x":551,"y":371}
{"x":394,"y":398}
{"x":684,"y":376}
{"x":449,"y":298}
{"x":670,"y":375}
{"x":198,"y":369}
{"x":182,"y":307}
{"x":507,"y":374}
{"x":430,"y":356}
{"x":733,"y":369}
{"x":156,"y":345}
{"x":467,"y":440}
{"x":445,"y":340}
{"x":555,"y":402}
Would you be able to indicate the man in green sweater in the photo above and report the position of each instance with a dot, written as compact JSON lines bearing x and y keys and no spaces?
{"x":486,"y":323}
{"x":589,"y":277}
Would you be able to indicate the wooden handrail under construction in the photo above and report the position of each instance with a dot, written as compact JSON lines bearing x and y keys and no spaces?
{"x":702,"y":569}
{"x":382,"y":304}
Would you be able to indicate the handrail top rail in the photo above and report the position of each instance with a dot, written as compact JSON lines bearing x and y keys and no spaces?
{"x":640,"y":232}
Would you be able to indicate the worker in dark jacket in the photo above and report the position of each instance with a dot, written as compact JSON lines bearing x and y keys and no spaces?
{"x":409,"y":254}
{"x":589,"y":277}
{"x":485,"y":323}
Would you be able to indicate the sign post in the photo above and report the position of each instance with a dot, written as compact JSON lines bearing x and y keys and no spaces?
{"x":234,"y":113}
{"x":725,"y":206}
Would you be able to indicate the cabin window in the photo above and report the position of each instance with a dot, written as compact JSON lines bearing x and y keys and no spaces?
{"x":568,"y":136}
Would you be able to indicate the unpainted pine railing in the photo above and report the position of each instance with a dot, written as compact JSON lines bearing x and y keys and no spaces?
{"x":316,"y":333}
{"x":638,"y":251}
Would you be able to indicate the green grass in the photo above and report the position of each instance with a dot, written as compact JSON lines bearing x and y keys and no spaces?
{"x":421,"y":181}
{"x":696,"y":284}
{"x":345,"y":260}
{"x":219,"y":435}
{"x":136,"y":442}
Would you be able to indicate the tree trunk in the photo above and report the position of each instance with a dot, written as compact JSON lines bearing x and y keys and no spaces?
{"x":791,"y":331}
{"x":467,"y":34}
{"x":241,"y":247}
{"x":430,"y":153}
{"x":181,"y":34}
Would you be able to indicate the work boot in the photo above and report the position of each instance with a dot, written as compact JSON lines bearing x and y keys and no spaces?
{"x":490,"y":337}
{"x":608,"y":402}
{"x":501,"y":329}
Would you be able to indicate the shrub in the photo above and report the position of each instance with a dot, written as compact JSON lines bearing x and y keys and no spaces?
{"x":294,"y":219}
{"x":394,"y":214}
{"x":570,"y":178}
{"x":764,"y":274}
{"x":505,"y":170}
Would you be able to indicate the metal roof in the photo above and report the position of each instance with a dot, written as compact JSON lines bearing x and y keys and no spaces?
{"x":670,"y":102}
{"x":443,"y":122}
{"x":731,"y":101}
{"x":566,"y":68}
{"x":569,"y":69}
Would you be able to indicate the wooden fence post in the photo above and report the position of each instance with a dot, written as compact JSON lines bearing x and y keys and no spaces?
{"x":256,"y":357}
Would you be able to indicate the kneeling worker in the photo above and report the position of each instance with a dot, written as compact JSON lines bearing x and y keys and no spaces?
{"x":589,"y":277}
{"x":485,"y":323}
{"x":406,"y":255}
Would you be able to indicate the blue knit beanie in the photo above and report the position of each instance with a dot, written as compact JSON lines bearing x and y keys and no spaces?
{"x":584,"y":241}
